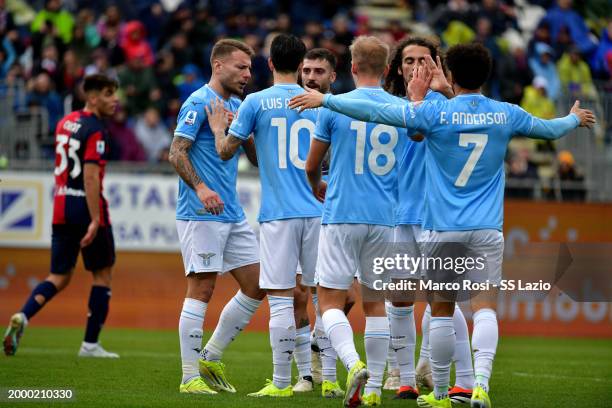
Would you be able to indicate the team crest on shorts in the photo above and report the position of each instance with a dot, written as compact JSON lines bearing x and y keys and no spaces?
{"x":206,"y":257}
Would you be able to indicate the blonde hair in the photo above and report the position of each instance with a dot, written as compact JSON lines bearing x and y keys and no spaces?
{"x":369,"y":55}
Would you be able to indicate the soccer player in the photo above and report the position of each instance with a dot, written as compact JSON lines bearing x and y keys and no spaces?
{"x":409,"y":53}
{"x":467,"y":139}
{"x":81,"y":221}
{"x":358,"y":218}
{"x":214,"y":234}
{"x":290,"y":217}
{"x":318,"y":72}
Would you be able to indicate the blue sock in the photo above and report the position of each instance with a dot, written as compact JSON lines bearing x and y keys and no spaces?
{"x":98,"y":310}
{"x":45,"y":289}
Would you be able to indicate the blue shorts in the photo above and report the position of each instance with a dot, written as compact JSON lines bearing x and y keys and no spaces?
{"x":66,"y":244}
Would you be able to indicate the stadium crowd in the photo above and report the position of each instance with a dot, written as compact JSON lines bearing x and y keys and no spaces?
{"x":545,"y":51}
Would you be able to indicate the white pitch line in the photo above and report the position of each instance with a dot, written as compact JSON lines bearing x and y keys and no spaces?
{"x":564,"y":377}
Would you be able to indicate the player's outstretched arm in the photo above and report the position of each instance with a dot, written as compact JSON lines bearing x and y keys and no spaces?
{"x":218,"y":120}
{"x":91,"y":182}
{"x":556,"y":128}
{"x":179,"y":158}
{"x":316,"y":154}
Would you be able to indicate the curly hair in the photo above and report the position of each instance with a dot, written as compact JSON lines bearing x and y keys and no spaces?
{"x":394,"y":82}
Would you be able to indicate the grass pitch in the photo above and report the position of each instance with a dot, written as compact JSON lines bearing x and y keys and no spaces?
{"x":528,"y":372}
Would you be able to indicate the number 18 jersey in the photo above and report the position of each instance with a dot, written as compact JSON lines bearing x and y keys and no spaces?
{"x":282,"y":140}
{"x":364,"y":159}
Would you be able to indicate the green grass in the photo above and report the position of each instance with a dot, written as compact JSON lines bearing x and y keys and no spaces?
{"x":529,"y":372}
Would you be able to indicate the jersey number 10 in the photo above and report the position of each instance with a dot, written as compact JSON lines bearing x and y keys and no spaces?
{"x":294,"y":141}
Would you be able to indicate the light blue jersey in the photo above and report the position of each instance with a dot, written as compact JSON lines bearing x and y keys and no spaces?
{"x":411,"y":177}
{"x":282,"y":141}
{"x":218,"y":175}
{"x":466,"y":139}
{"x":363,"y":167}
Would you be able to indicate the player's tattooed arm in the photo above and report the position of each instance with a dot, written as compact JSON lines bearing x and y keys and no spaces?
{"x":179,"y":158}
{"x":226,"y":145}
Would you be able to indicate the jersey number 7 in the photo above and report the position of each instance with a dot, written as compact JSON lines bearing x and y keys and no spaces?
{"x":480,"y":141}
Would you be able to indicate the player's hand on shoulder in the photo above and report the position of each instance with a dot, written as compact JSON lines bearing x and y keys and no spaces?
{"x":217,"y":116}
{"x":210,"y":199}
{"x":92,"y":231}
{"x":320,"y":190}
{"x":586,"y":117}
{"x":420,"y":82}
{"x":308,"y":100}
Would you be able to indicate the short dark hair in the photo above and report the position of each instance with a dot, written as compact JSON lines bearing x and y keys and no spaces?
{"x":226,"y":46}
{"x":99,"y":82}
{"x":470,"y":64}
{"x":287,"y":53}
{"x":394,"y":82}
{"x":323,"y":54}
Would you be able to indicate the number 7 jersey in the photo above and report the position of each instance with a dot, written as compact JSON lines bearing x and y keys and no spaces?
{"x":282,"y":140}
{"x":364,"y":160}
{"x":80,"y":137}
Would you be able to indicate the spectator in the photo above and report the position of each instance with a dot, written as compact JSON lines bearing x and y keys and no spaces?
{"x":110,"y":20}
{"x":543,"y":65}
{"x":535,"y":100}
{"x":153,"y":18}
{"x":43,"y":95}
{"x":135,"y":44}
{"x":7,"y":23}
{"x":153,"y":135}
{"x":124,"y":143}
{"x":7,"y":57}
{"x":454,"y":10}
{"x":575,"y":76}
{"x":562,"y":15}
{"x":110,"y":42}
{"x":599,"y":62}
{"x":522,"y":174}
{"x":100,"y":64}
{"x":138,"y":82}
{"x":182,"y":51}
{"x":501,"y":16}
{"x":49,"y":63}
{"x":514,"y":74}
{"x":567,"y":172}
{"x":190,"y":81}
{"x":71,"y":73}
{"x":540,"y":35}
{"x":61,"y":20}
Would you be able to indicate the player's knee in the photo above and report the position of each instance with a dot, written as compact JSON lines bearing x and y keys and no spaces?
{"x":402,"y":304}
{"x":442,"y":309}
{"x":254,"y":292}
{"x":103,"y":277}
{"x":60,"y":281}
{"x":374,"y":309}
{"x":200,"y":288}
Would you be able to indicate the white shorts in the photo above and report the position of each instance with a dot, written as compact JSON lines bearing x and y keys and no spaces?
{"x":486,"y":245}
{"x":348,"y":248}
{"x":406,"y":238}
{"x":284,"y":245}
{"x":212,"y":246}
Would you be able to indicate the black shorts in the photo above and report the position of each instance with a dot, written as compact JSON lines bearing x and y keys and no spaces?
{"x":66,"y":243}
